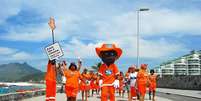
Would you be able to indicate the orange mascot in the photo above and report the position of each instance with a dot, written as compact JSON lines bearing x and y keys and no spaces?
{"x":108,"y":71}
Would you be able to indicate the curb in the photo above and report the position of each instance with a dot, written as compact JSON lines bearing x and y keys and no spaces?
{"x":180,"y":95}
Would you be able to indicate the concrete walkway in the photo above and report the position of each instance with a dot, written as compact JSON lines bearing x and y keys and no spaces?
{"x":187,"y":93}
{"x":62,"y":97}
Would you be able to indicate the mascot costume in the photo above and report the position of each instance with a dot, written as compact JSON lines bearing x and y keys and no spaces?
{"x":108,"y":53}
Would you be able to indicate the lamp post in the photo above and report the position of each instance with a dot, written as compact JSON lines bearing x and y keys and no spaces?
{"x":138,"y":32}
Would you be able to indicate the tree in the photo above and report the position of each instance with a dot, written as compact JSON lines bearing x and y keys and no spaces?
{"x":96,"y":66}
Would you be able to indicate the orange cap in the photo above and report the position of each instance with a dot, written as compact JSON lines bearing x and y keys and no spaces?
{"x":108,"y":47}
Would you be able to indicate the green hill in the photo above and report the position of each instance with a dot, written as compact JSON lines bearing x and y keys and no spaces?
{"x":18,"y":72}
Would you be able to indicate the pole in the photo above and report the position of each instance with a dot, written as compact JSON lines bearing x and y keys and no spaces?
{"x":53,"y":36}
{"x":138,"y":34}
{"x":138,"y":28}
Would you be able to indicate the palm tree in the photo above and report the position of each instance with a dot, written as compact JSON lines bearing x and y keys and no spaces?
{"x":96,"y":66}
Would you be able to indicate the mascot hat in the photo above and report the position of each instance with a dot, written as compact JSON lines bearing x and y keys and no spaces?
{"x":109,"y":47}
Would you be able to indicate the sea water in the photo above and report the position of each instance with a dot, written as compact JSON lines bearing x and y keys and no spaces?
{"x":14,"y":88}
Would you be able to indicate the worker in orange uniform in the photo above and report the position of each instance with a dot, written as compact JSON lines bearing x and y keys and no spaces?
{"x":97,"y":87}
{"x":84,"y":85}
{"x":50,"y":79}
{"x":92,"y":82}
{"x":142,"y":81}
{"x":109,"y":53}
{"x":73,"y":76}
{"x":152,"y":84}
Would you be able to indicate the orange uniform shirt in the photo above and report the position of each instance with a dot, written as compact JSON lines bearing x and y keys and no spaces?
{"x":108,"y":73}
{"x":85,"y":77}
{"x":152,"y":79}
{"x":72,"y":78}
{"x":51,"y":72}
{"x":142,"y":77}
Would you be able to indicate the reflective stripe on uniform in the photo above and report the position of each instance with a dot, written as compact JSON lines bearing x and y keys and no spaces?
{"x":107,"y":85}
{"x":47,"y":98}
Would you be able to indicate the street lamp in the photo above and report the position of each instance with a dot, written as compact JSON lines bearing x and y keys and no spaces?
{"x":138,"y":32}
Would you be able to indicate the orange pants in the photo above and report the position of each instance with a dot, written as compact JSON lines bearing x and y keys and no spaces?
{"x":142,"y":89}
{"x":133,"y":92}
{"x":71,"y":91}
{"x":152,"y":87}
{"x":50,"y":90}
{"x":107,"y":91}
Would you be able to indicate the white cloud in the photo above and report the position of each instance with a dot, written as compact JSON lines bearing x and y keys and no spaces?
{"x":120,"y":27}
{"x":16,"y":54}
{"x":76,"y":49}
{"x":8,"y":9}
{"x":42,"y":31}
{"x":21,"y":56}
{"x":148,"y":49}
{"x":7,"y":51}
{"x":152,"y":23}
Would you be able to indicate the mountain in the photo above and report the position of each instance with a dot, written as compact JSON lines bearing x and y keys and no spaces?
{"x":18,"y":72}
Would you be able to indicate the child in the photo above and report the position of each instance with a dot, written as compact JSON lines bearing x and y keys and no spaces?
{"x":72,"y":83}
{"x":152,"y":86}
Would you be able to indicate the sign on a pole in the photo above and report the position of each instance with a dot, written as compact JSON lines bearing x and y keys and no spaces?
{"x":54,"y":51}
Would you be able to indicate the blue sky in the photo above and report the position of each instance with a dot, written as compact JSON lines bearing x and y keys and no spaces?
{"x":171,"y":28}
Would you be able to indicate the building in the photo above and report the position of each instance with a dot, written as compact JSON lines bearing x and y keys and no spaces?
{"x":189,"y":64}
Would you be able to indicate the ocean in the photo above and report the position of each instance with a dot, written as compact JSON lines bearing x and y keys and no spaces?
{"x":15,"y":88}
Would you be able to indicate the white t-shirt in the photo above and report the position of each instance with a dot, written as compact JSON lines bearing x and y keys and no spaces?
{"x":133,"y":77}
{"x":100,"y":82}
{"x":63,"y":79}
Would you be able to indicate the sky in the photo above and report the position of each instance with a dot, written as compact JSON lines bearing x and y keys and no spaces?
{"x":171,"y":28}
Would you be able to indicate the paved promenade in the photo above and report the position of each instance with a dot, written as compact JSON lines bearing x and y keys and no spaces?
{"x":187,"y":93}
{"x":163,"y":94}
{"x":62,"y":97}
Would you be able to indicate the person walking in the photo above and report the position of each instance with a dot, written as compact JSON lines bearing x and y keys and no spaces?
{"x":152,"y":86}
{"x":73,"y":76}
{"x":50,"y":78}
{"x":142,"y":81}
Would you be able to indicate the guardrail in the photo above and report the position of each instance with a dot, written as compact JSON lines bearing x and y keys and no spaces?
{"x":21,"y":95}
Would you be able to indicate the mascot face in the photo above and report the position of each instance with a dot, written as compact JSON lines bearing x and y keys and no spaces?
{"x":108,"y":57}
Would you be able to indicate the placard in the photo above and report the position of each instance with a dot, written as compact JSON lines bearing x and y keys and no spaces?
{"x":54,"y":51}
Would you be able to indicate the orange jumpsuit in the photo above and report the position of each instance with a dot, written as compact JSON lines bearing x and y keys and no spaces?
{"x":152,"y":82}
{"x":84,"y":85}
{"x":50,"y":78}
{"x":72,"y":82}
{"x":97,"y":83}
{"x":142,"y":80}
{"x":108,"y":76}
{"x":93,"y":81}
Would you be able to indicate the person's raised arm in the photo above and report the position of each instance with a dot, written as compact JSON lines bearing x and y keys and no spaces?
{"x":79,"y":64}
{"x":64,"y":67}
